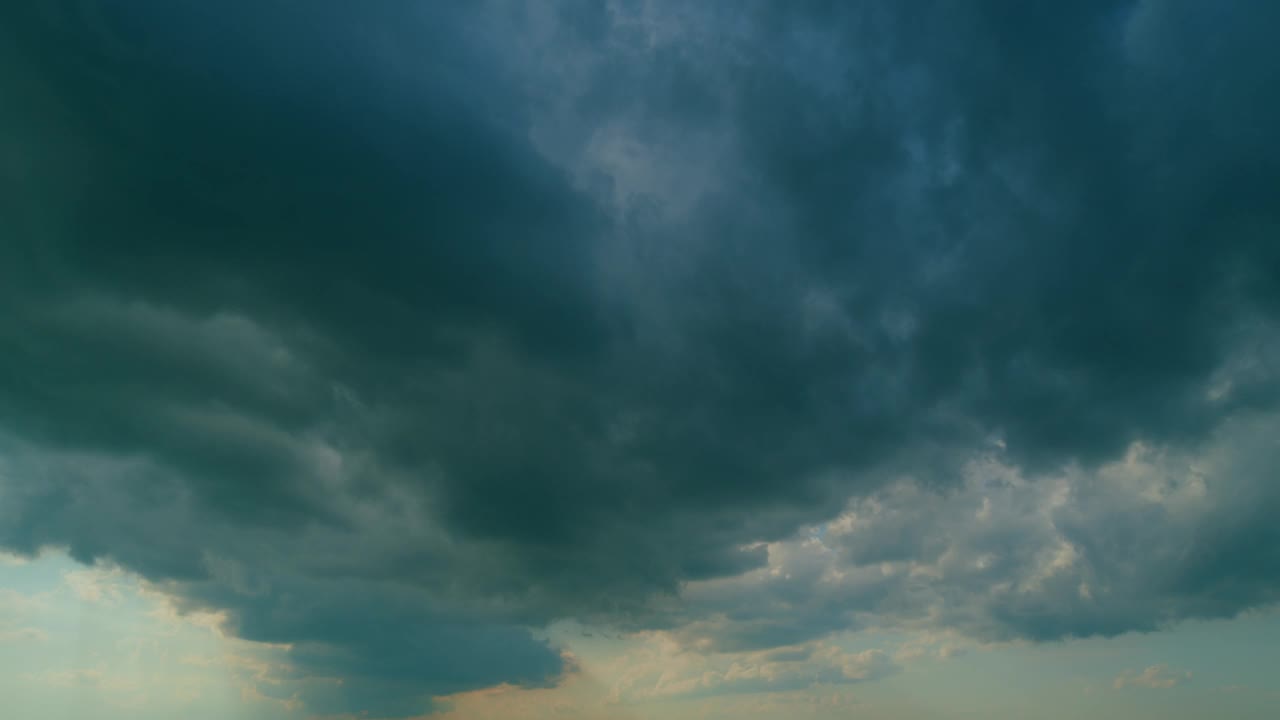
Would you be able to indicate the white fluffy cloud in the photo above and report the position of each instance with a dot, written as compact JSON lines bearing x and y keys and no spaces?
{"x":1138,"y":543}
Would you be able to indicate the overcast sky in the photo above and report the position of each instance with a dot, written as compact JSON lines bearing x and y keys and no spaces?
{"x":639,"y":359}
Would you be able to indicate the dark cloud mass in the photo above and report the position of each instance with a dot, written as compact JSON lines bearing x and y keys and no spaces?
{"x":398,"y":330}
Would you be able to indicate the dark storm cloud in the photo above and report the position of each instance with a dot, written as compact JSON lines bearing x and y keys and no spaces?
{"x":400,"y":328}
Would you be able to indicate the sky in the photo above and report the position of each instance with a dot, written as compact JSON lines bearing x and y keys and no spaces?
{"x":639,"y":359}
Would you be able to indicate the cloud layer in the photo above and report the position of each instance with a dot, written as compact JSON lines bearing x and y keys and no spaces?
{"x":396,"y":332}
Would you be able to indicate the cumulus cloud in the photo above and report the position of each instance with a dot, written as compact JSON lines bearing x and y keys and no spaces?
{"x":390,"y":333}
{"x":664,"y":668}
{"x":1138,"y":543}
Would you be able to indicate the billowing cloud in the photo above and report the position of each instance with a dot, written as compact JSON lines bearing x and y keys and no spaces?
{"x":395,"y":333}
{"x":662,"y":668}
{"x":1139,"y":543}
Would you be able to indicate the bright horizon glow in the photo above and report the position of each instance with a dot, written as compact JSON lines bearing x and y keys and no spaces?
{"x":77,"y":640}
